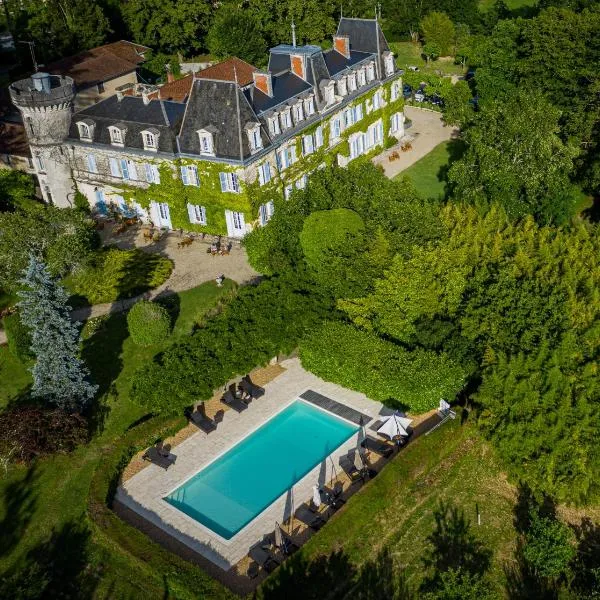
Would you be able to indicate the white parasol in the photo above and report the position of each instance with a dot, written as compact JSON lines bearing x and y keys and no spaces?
{"x":395,"y":426}
{"x":316,"y":496}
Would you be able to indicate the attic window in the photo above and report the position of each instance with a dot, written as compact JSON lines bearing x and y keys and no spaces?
{"x":116,"y":135}
{"x":342,"y":87}
{"x":371,"y":71}
{"x":361,"y":77}
{"x":286,"y":119}
{"x":329,"y":93}
{"x":298,"y":112}
{"x":85,"y":131}
{"x":352,"y":82}
{"x":309,"y":106}
{"x":274,"y":125}
{"x":150,"y":140}
{"x":389,"y":64}
{"x":254,"y":138}
{"x":207,"y":145}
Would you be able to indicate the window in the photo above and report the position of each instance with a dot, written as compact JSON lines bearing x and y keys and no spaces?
{"x":329,"y":94}
{"x":254,"y":139}
{"x":371,"y":71}
{"x":397,"y":122}
{"x":85,"y":132}
{"x":286,"y":157}
{"x":358,"y":112}
{"x":101,"y":87}
{"x":389,"y":64}
{"x":287,"y":191}
{"x":298,"y":112}
{"x":349,"y":117}
{"x":163,"y":210}
{"x":356,"y":145}
{"x":361,"y":78}
{"x":352,"y":82}
{"x":377,"y":100}
{"x":274,"y":125}
{"x":152,"y":173}
{"x":229,"y":182}
{"x":116,"y":136}
{"x":100,"y":201}
{"x":318,"y":136}
{"x":264,"y":173}
{"x":48,"y":195}
{"x":150,"y":140}
{"x":197,"y":214}
{"x":286,"y":119}
{"x":265,"y":212}
{"x":309,"y":106}
{"x":206,"y":142}
{"x":374,"y":135}
{"x":40,"y":163}
{"x":30,"y":125}
{"x":395,"y":91}
{"x":128,"y":170}
{"x":301,"y":183}
{"x":115,"y":170}
{"x":189,"y":175}
{"x":91,"y":163}
{"x":342,"y":87}
{"x":307,"y":145}
{"x":336,"y":129}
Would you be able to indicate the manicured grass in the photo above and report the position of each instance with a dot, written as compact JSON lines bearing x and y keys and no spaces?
{"x":51,"y":497}
{"x":485,"y":5}
{"x":410,"y":54}
{"x":14,"y":377}
{"x":385,"y":525}
{"x":428,"y":175}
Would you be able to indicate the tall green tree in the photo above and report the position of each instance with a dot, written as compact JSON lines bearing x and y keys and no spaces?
{"x":59,"y":375}
{"x":515,"y":157}
{"x":17,"y":189}
{"x":437,"y":29}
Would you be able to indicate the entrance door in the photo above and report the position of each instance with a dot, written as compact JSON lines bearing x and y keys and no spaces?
{"x":236,"y":226}
{"x":101,"y":203}
{"x":159,"y":212}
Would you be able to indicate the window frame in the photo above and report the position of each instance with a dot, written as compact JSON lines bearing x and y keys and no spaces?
{"x":117,"y":136}
{"x":91,"y":163}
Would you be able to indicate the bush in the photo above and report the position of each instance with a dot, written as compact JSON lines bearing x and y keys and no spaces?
{"x":361,"y":361}
{"x":81,"y":203}
{"x":28,"y":432}
{"x":149,"y":323}
{"x":113,"y":274}
{"x":19,"y":337}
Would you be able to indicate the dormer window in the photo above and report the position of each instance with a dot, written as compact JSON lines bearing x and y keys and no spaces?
{"x":361,"y":78}
{"x":286,"y":119}
{"x":254,"y":137}
{"x":274,"y":125}
{"x":309,"y":106}
{"x":371,"y":71}
{"x":117,"y":135}
{"x":389,"y":64}
{"x":352,"y":82}
{"x":207,"y":146}
{"x":298,"y":112}
{"x":86,"y":130}
{"x":329,"y":93}
{"x":150,"y":139}
{"x":342,"y":88}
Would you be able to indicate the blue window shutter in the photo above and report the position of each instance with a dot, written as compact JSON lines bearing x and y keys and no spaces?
{"x":223,"y":178}
{"x":115,"y":171}
{"x":156,"y":174}
{"x":191,"y":213}
{"x":149,"y":173}
{"x":203,"y":213}
{"x":184,"y":175}
{"x":124,"y":169}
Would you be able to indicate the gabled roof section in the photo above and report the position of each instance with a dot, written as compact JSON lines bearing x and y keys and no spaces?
{"x":176,"y":91}
{"x":336,"y":62}
{"x":285,"y":87}
{"x":213,"y":104}
{"x":363,"y":34}
{"x":100,"y":64}
{"x":227,"y":71}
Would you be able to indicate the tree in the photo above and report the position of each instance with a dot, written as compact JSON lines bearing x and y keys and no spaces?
{"x":59,"y":375}
{"x":148,"y":323}
{"x":437,"y":29}
{"x":168,"y":26}
{"x":17,"y":189}
{"x":458,"y":109}
{"x":236,"y":32}
{"x":432,"y":50}
{"x":515,"y":157}
{"x":458,"y":584}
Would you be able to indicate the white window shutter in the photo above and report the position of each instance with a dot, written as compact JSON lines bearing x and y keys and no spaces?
{"x":261,"y":175}
{"x":115,"y":171}
{"x":293,"y":155}
{"x":156,"y":173}
{"x":149,"y":173}
{"x":193,"y":172}
{"x":132,"y":170}
{"x":203,"y":215}
{"x":191,"y":213}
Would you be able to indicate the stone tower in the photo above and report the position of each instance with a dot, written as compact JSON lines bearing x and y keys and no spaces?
{"x":46,"y":103}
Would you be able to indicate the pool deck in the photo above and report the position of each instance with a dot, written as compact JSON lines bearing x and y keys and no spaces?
{"x":143,"y":493}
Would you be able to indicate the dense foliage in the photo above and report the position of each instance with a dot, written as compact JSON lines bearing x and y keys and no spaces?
{"x":260,"y":322}
{"x":29,"y":432}
{"x":18,"y":336}
{"x":148,"y":323}
{"x":17,"y":189}
{"x":113,"y":273}
{"x":362,"y":361}
{"x":60,"y":377}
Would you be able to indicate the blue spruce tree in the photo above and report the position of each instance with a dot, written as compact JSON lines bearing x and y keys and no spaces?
{"x":59,"y":375}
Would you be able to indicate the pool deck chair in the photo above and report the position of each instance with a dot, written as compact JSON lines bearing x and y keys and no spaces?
{"x":255,"y":391}
{"x":265,"y":560}
{"x":310,"y":519}
{"x":155,"y":457}
{"x":198,"y":417}
{"x":444,"y":413}
{"x":230,"y":400}
{"x":351,"y":468}
{"x":283,"y":542}
{"x":377,"y":446}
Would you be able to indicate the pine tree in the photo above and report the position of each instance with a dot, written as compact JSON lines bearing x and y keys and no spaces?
{"x":59,"y":375}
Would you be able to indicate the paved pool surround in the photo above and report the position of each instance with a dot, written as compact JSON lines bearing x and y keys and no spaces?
{"x":144,"y":493}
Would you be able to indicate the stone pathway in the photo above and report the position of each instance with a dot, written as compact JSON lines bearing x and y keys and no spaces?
{"x":427,"y":129}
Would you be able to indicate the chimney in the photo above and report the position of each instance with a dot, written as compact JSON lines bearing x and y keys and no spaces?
{"x":264,"y":82}
{"x":298,"y":66}
{"x":341,"y":43}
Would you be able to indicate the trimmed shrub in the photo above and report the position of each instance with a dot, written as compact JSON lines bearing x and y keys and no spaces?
{"x":114,"y":273}
{"x":149,"y":323}
{"x":19,"y":337}
{"x":361,"y":361}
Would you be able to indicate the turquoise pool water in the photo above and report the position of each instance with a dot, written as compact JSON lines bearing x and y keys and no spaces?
{"x":228,"y":493}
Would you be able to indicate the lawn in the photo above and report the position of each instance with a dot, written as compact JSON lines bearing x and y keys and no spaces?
{"x":410,"y":54}
{"x":43,"y":509}
{"x":385,"y":525}
{"x":485,"y":5}
{"x":428,"y":174}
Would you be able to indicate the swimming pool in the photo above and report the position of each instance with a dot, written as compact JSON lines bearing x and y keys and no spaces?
{"x":231,"y":491}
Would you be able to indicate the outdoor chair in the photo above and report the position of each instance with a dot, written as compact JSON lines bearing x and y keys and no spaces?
{"x":265,"y":560}
{"x":198,"y":417}
{"x":309,"y":518}
{"x":230,"y":400}
{"x":377,"y":446}
{"x":283,"y":542}
{"x":332,"y":497}
{"x":157,"y":458}
{"x":255,"y":391}
{"x":351,"y":470}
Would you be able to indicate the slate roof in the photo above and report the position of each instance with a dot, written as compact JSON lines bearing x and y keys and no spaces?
{"x":363,"y":34}
{"x":213,"y":103}
{"x":100,"y":64}
{"x":224,"y":71}
{"x":285,"y":87}
{"x":136,"y":116}
{"x":337,"y":62}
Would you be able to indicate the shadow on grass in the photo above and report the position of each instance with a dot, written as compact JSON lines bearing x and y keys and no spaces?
{"x":456,"y":149}
{"x":56,"y":568}
{"x":172,"y":302}
{"x":586,"y":580}
{"x":19,"y":506}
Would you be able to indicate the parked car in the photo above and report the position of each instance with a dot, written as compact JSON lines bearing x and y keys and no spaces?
{"x":420,"y":96}
{"x":413,"y":68}
{"x":436,"y":99}
{"x":470,"y":74}
{"x":406,"y":90}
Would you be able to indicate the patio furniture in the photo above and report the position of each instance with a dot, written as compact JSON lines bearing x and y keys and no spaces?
{"x":309,"y":518}
{"x":377,"y":446}
{"x":230,"y":400}
{"x":354,"y":470}
{"x":333,"y":497}
{"x":265,"y":560}
{"x":283,"y":542}
{"x":156,"y":457}
{"x":198,"y":417}
{"x":248,"y":386}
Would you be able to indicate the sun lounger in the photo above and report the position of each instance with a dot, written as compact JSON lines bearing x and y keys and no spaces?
{"x":333,"y":498}
{"x":351,"y":470}
{"x":309,"y":518}
{"x":230,"y":400}
{"x":283,"y":542}
{"x":199,"y":418}
{"x":255,"y":391}
{"x":265,"y":560}
{"x":155,"y":457}
{"x":377,"y":446}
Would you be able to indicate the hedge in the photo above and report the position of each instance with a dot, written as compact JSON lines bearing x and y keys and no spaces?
{"x":148,"y":323}
{"x":384,"y":371}
{"x":19,"y":337}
